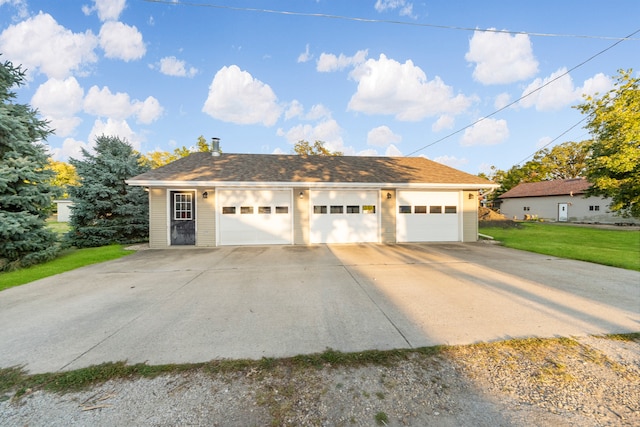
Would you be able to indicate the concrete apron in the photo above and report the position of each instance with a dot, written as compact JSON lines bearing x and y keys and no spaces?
{"x":182,"y":306}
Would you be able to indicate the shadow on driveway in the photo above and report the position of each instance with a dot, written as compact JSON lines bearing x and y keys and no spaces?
{"x":182,"y":306}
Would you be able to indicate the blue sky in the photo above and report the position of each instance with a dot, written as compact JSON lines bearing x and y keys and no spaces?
{"x":376,"y":77}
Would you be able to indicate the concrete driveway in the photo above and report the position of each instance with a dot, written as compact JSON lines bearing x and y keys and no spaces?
{"x":177,"y":306}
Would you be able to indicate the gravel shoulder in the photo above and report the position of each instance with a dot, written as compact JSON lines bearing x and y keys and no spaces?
{"x":589,"y":381}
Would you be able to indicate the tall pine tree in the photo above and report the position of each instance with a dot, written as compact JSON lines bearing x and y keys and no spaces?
{"x":105,"y":209}
{"x":25,"y":190}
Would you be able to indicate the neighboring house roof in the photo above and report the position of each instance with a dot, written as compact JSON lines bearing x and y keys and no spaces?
{"x":558,"y":187}
{"x":205,"y":169}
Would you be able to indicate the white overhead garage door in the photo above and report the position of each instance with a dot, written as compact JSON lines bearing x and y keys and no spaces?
{"x":428,"y":216}
{"x":254,"y":217}
{"x":344,"y":216}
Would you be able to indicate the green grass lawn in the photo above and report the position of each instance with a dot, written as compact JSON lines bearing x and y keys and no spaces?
{"x":618,"y":248}
{"x":69,"y":259}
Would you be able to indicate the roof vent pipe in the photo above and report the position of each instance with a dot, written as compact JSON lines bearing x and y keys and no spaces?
{"x":215,"y":146}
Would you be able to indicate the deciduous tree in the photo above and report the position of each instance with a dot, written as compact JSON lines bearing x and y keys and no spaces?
{"x":304,"y":148}
{"x":614,"y":166}
{"x":25,"y":182}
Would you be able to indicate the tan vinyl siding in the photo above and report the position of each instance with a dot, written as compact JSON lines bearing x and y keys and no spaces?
{"x":469,"y":216}
{"x":388,"y":216}
{"x":158,"y":218}
{"x":206,"y":218}
{"x":301,"y":216}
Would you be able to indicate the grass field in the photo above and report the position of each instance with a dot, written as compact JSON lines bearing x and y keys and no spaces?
{"x":68,"y":260}
{"x":617,"y":248}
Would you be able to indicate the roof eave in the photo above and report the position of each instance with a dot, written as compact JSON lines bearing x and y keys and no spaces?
{"x":275,"y":184}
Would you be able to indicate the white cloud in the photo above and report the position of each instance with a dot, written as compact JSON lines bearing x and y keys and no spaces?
{"x":295,"y":109}
{"x":598,"y":84}
{"x":452,"y":161}
{"x":121,"y":41}
{"x":41,"y":44}
{"x":20,"y":6}
{"x":317,"y":112}
{"x":393,"y":151}
{"x":108,"y":10}
{"x":562,"y":91}
{"x":444,"y":122}
{"x":147,"y":111}
{"x":502,"y":100}
{"x":485,"y":132}
{"x":382,"y":136}
{"x":71,"y":148}
{"x":406,"y":8}
{"x":369,"y":152}
{"x":328,"y":62}
{"x":327,"y":131}
{"x":172,"y":66}
{"x":118,"y":128}
{"x":543,"y":141}
{"x":386,"y":86}
{"x":236,"y":97}
{"x":501,"y":58}
{"x":59,"y":101}
{"x":305,"y":56}
{"x":118,"y":106}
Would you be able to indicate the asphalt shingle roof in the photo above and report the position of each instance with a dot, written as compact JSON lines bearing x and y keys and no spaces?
{"x":293,"y":168}
{"x":558,"y":187}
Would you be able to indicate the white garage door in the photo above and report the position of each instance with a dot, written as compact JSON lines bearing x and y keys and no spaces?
{"x":254,"y":217}
{"x":345,"y":216}
{"x":428,"y":216}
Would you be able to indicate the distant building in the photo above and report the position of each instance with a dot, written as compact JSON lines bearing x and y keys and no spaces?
{"x":64,"y":209}
{"x":560,"y":200}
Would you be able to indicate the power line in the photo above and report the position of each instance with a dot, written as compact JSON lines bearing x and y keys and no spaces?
{"x":525,"y":95}
{"x":379,"y":21}
{"x":554,"y":140}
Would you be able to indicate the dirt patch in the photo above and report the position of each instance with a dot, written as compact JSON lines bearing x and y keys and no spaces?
{"x":561,"y":382}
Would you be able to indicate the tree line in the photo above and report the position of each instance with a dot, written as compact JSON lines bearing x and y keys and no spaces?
{"x":107,"y":211}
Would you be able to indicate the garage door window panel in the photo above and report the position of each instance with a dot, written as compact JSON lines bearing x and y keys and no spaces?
{"x":264,"y":209}
{"x":404,"y":209}
{"x":353,"y":209}
{"x":246,"y":210}
{"x":369,"y":209}
{"x":420,"y":209}
{"x":435,"y":209}
{"x":228,"y":210}
{"x":319,"y":209}
{"x":337,"y":209}
{"x":450,"y":209}
{"x":282,"y":209}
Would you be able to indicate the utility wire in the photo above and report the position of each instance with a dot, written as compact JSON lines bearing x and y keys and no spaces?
{"x":525,"y":95}
{"x":378,"y":21}
{"x":553,"y":140}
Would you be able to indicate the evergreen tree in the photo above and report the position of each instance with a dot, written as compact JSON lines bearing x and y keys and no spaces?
{"x":105,"y":209}
{"x":25,"y":190}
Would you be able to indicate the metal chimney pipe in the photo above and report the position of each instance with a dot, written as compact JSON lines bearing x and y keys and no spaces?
{"x":215,"y":146}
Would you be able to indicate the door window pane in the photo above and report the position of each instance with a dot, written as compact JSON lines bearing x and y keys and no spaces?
{"x":404,"y":209}
{"x":337,"y":209}
{"x":228,"y":210}
{"x":264,"y":209}
{"x":353,"y":209}
{"x":450,"y":209}
{"x":435,"y":209}
{"x":420,"y":209}
{"x":246,"y":209}
{"x":369,"y":209}
{"x":182,"y":206}
{"x":282,"y":209}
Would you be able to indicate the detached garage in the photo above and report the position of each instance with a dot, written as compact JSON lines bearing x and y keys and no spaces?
{"x":207,"y":199}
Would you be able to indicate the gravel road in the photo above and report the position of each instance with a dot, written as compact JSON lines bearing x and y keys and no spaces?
{"x":565,"y":382}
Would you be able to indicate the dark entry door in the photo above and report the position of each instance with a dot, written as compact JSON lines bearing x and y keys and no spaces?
{"x":183,"y":218}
